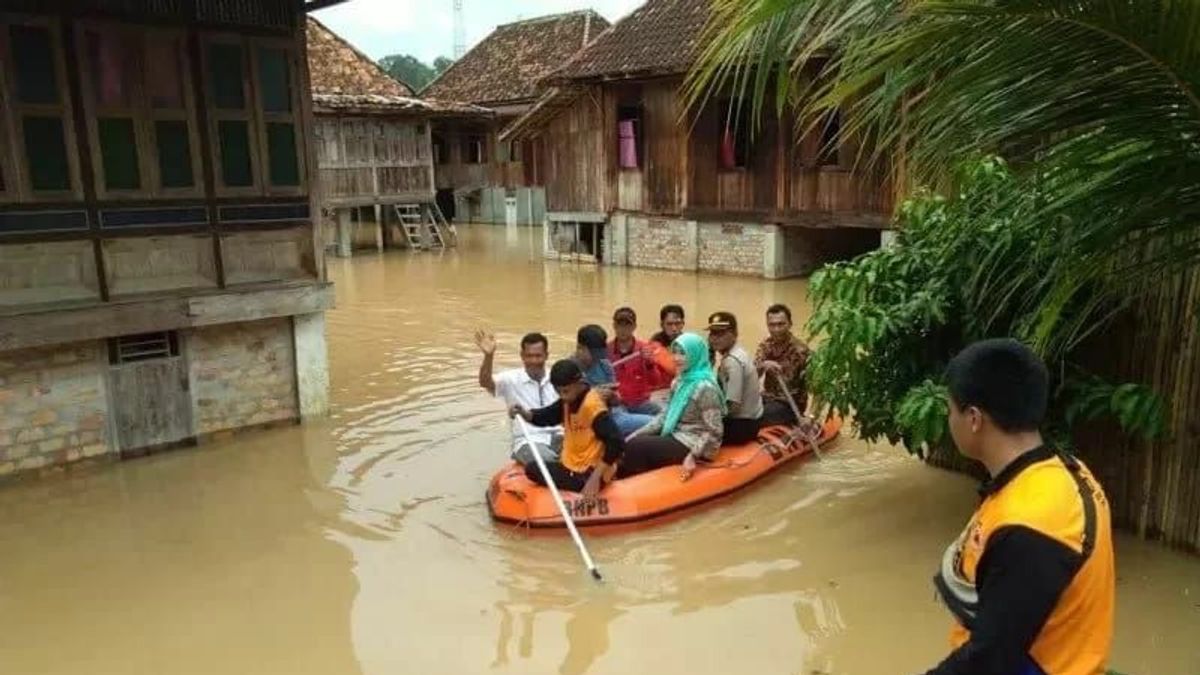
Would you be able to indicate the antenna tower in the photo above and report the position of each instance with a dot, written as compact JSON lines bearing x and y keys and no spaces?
{"x":460,"y":31}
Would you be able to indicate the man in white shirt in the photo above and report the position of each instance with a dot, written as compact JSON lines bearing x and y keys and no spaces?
{"x":528,"y":387}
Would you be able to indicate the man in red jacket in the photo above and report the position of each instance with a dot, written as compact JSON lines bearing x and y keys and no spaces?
{"x":641,"y":367}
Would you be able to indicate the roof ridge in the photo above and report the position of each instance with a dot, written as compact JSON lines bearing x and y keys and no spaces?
{"x":361,"y":55}
{"x":547,"y":17}
{"x":578,"y":55}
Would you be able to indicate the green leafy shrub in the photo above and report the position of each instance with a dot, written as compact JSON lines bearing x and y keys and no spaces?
{"x":889,"y":321}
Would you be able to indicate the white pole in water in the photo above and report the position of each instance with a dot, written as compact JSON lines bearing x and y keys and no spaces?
{"x":562,"y":508}
{"x":795,"y":409}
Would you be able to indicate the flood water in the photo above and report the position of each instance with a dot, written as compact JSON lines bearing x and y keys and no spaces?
{"x":361,"y":543}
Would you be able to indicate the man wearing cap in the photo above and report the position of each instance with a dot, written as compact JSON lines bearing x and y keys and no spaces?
{"x":738,"y":377}
{"x":641,"y":367}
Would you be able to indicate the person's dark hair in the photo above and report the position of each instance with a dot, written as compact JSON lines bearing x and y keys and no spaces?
{"x":592,"y":337}
{"x":779,"y":308}
{"x":565,"y":372}
{"x":625,"y":314}
{"x":670,"y":309}
{"x":531,"y":339}
{"x":1003,"y":378}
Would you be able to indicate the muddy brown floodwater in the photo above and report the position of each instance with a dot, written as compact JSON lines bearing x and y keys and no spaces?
{"x":361,"y":544}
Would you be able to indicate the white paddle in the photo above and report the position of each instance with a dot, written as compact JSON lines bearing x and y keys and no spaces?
{"x":627,"y":359}
{"x":562,"y":508}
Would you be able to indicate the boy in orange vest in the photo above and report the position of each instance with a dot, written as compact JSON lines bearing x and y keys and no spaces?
{"x":592,"y":444}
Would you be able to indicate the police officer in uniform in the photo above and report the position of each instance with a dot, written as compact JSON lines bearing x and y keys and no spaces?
{"x":1031,"y":579}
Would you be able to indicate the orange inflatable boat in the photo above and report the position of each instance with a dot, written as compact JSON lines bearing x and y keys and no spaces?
{"x":513,"y":498}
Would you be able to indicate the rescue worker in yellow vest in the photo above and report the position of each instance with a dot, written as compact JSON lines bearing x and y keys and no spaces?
{"x":1031,"y":580}
{"x":592,"y":444}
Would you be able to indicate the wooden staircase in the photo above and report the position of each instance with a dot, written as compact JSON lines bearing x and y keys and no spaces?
{"x":425,"y":228}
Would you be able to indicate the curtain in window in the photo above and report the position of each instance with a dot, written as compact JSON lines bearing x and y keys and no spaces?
{"x":728,"y":149}
{"x":627,"y":133}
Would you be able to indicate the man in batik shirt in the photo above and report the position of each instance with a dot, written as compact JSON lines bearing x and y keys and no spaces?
{"x":782,"y":355}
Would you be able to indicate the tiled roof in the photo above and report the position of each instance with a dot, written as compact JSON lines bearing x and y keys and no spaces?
{"x":336,"y":67}
{"x":658,"y":38}
{"x":507,"y":65}
{"x":369,"y":104}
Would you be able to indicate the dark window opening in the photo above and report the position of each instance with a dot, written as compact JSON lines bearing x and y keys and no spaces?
{"x":274,"y":77}
{"x":228,"y":76}
{"x":440,"y":156}
{"x":829,"y":154}
{"x":46,"y":154}
{"x":735,"y":136}
{"x":630,"y":137}
{"x":174,"y":154}
{"x":473,"y":150}
{"x":33,"y":57}
{"x":143,"y":347}
{"x":515,"y":151}
{"x":118,"y":152}
{"x":234,"y":139}
{"x":281,"y":154}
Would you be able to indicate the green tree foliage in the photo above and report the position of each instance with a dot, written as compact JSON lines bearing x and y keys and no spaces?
{"x":890,"y":320}
{"x":1097,"y":101}
{"x":412,"y":71}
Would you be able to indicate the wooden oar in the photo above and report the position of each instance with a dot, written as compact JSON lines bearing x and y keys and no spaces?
{"x":796,"y":410}
{"x":562,"y":508}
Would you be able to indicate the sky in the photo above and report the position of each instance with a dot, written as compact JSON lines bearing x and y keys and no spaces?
{"x":425,"y":28}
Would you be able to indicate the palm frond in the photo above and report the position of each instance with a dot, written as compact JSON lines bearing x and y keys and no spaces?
{"x":1095,"y":103}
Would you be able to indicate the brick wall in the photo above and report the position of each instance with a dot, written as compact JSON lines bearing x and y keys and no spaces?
{"x":242,"y":374}
{"x":53,"y":406}
{"x":729,"y":248}
{"x":660,"y":243}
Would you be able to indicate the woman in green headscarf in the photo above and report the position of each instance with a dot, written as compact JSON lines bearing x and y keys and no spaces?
{"x":689,"y":429}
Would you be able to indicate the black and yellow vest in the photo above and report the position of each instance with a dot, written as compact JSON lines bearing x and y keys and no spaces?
{"x":1057,"y":496}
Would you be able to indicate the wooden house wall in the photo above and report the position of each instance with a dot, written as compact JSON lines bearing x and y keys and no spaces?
{"x":496,"y":171}
{"x":151,"y":233}
{"x":679,"y":170}
{"x":376,"y":160}
{"x":575,"y":158}
{"x":268,"y":14}
{"x":753,"y":188}
{"x":834,"y":187}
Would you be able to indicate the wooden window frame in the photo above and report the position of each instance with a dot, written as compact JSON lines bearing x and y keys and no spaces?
{"x":18,"y":181}
{"x":830,"y":159}
{"x":470,"y":140}
{"x":736,"y":121}
{"x":143,"y":114}
{"x":256,"y":117}
{"x":292,"y":117}
{"x":8,"y":178}
{"x":246,"y":114}
{"x":638,"y":117}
